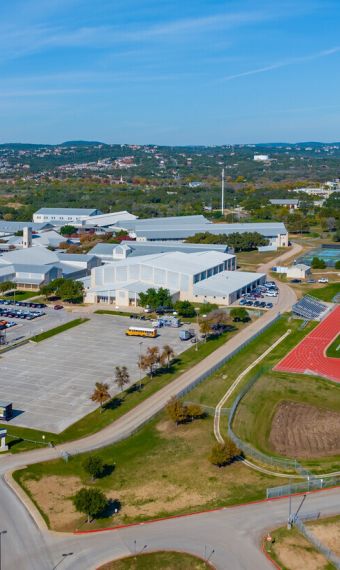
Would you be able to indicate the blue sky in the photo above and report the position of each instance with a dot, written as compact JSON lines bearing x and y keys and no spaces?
{"x":169,"y":71}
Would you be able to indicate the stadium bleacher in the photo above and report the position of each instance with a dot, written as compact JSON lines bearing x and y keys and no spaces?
{"x":309,"y":308}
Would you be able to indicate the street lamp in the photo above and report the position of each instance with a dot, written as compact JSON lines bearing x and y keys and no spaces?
{"x":139,"y":365}
{"x":1,"y":533}
{"x":197,"y":313}
{"x":63,"y":556}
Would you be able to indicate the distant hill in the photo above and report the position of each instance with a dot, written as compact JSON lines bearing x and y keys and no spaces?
{"x":82,"y":143}
{"x":193,"y":148}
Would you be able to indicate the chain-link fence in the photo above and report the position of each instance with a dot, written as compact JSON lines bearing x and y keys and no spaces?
{"x":209,"y":410}
{"x":312,"y":484}
{"x":246,"y":448}
{"x":327,"y":552}
{"x":225,"y":359}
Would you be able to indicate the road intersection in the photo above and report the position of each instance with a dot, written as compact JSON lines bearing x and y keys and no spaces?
{"x":231,"y":535}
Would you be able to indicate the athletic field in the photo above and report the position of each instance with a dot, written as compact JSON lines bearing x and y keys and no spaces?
{"x":309,"y":356}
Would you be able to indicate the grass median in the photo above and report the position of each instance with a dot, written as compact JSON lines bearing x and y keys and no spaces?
{"x":58,"y":330}
{"x":158,"y":561}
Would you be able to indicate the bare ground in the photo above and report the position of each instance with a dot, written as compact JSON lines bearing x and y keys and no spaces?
{"x":301,"y":430}
{"x":329,"y":534}
{"x":295,"y":553}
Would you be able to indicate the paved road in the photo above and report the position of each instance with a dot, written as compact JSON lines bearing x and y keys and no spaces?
{"x":233,"y":533}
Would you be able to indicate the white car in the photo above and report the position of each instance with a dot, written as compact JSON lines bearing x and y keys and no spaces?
{"x":323,"y":280}
{"x":271,"y":294}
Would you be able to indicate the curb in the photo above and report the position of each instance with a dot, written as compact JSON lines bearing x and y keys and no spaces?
{"x":267,"y":555}
{"x":25,"y":500}
{"x":184,"y":515}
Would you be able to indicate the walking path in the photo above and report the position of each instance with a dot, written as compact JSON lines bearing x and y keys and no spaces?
{"x":229,"y":392}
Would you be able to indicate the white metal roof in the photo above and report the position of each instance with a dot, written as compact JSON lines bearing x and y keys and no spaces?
{"x":225,"y":283}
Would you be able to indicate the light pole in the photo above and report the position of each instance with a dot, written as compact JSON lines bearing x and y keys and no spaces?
{"x":1,"y":533}
{"x":139,"y":365}
{"x":197,"y":313}
{"x":63,"y":556}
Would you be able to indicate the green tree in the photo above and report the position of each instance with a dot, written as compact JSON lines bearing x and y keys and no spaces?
{"x":155,"y":298}
{"x":7,"y":286}
{"x":318,"y":263}
{"x":91,"y":502}
{"x":122,"y":376}
{"x":239,"y":314}
{"x":245,"y":241}
{"x":337,"y":265}
{"x":67,"y":230}
{"x":223,"y":453}
{"x":94,"y":466}
{"x":185,"y":309}
{"x":66,"y":289}
{"x":101,"y":393}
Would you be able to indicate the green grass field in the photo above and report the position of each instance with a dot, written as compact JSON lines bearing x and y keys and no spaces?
{"x":158,"y":561}
{"x":334,"y":349}
{"x":211,"y":390}
{"x":255,"y":413}
{"x":326,"y":293}
{"x":19,"y":295}
{"x":58,"y":330}
{"x":161,"y":470}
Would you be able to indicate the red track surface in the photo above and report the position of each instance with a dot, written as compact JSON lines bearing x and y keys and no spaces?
{"x":309,"y":356}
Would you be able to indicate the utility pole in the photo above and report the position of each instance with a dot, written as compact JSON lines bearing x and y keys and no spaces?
{"x":222,"y":197}
{"x":1,"y":533}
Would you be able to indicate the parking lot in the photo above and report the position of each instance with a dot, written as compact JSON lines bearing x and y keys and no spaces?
{"x":50,"y":382}
{"x":25,"y":329}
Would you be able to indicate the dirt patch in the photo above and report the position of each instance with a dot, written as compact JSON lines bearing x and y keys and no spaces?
{"x":328,"y":534}
{"x":156,"y":497}
{"x":297,"y":554}
{"x":301,"y":430}
{"x":53,"y":496}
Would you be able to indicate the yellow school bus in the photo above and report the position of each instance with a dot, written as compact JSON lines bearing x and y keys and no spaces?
{"x":142,"y":331}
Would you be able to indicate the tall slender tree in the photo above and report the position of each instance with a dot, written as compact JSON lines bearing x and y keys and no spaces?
{"x":167,"y":354}
{"x":101,"y":393}
{"x":122,"y":376}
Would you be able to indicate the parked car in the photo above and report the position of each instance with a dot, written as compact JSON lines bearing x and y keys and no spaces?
{"x":323,"y":280}
{"x":296,"y":281}
{"x":58,"y":307}
{"x":269,"y":305}
{"x":311,"y":280}
{"x":262,"y":305}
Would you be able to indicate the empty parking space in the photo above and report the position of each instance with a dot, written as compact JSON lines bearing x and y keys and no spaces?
{"x":50,"y":382}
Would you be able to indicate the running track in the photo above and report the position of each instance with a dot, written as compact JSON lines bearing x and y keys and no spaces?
{"x":309,"y":356}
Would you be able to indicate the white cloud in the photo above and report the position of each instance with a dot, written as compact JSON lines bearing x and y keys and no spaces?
{"x":283,"y":63}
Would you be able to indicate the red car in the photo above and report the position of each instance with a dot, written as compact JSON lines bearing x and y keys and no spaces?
{"x":58,"y":307}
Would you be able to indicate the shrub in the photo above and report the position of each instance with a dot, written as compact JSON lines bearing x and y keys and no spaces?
{"x":223,"y":453}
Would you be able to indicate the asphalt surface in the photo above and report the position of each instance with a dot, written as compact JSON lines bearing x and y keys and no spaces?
{"x":50,"y":383}
{"x":231,"y":536}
